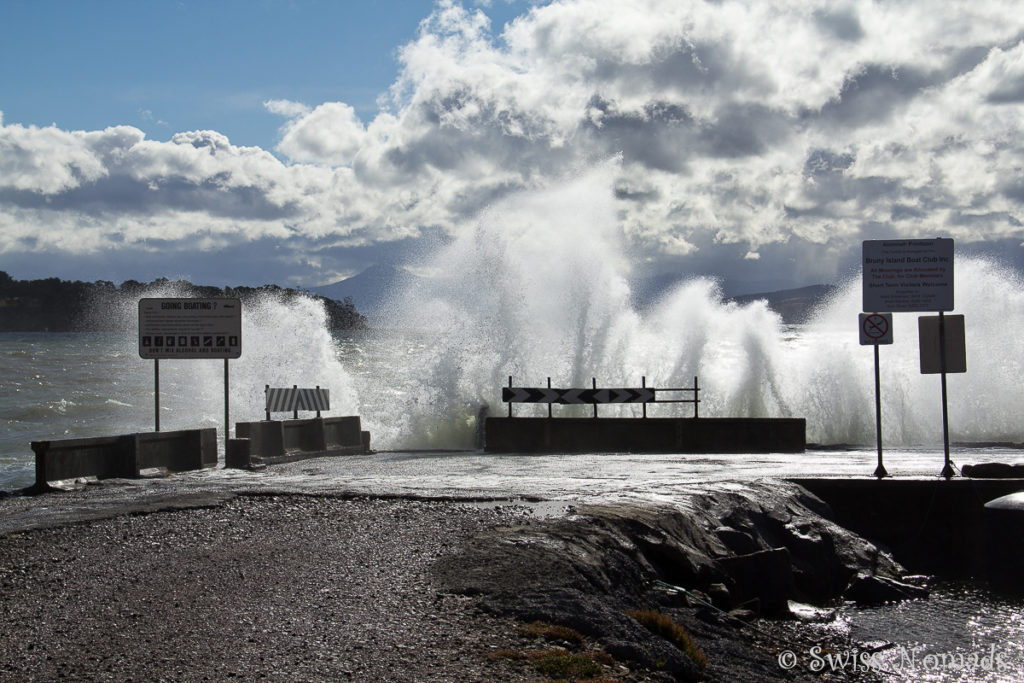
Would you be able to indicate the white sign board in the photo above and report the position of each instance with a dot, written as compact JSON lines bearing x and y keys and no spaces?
{"x":931,"y":344}
{"x":908,"y":275}
{"x":190,"y":328}
{"x":875,"y":328}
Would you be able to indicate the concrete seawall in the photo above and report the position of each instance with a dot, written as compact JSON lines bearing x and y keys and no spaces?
{"x":125,"y":455}
{"x":276,"y":441}
{"x":931,"y":525}
{"x":645,"y":435}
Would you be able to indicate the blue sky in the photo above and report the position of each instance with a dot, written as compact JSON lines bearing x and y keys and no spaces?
{"x":166,"y":66}
{"x":301,"y":141}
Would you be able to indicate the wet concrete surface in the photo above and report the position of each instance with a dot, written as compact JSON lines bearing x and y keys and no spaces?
{"x":556,"y":479}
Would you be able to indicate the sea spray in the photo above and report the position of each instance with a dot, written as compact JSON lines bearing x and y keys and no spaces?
{"x":286,"y":341}
{"x":538,"y":288}
{"x":830,"y":377}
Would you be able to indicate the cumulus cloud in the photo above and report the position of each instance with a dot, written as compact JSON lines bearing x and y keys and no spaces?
{"x":743,"y":130}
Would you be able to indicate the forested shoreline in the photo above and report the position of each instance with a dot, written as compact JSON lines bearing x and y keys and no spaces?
{"x":55,"y":305}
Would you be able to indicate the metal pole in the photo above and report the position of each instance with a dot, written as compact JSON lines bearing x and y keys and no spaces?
{"x":880,"y":470}
{"x":227,"y":419}
{"x":643,"y":384}
{"x":593,"y":383}
{"x":510,"y":402}
{"x":156,"y":392}
{"x":696,"y":397}
{"x":947,"y":469}
{"x":549,"y":405}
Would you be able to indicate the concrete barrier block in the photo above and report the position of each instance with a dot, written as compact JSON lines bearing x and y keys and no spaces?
{"x":239,"y":454}
{"x":177,"y":451}
{"x":304,"y":435}
{"x":342,"y":431}
{"x":277,"y":441}
{"x":266,"y":437}
{"x":101,"y":457}
{"x":124,"y":456}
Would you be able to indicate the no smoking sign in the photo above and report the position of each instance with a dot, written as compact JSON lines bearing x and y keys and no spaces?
{"x":875,"y":328}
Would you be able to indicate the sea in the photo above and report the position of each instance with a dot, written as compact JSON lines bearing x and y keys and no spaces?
{"x":539,"y":291}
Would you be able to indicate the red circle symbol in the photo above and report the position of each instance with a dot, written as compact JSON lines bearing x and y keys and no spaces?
{"x":876,"y":326}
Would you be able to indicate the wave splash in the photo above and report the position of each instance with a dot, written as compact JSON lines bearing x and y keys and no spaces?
{"x":539,"y":287}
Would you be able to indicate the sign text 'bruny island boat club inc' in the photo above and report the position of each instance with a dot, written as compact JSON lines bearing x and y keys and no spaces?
{"x":908,"y":275}
{"x":190,"y":328}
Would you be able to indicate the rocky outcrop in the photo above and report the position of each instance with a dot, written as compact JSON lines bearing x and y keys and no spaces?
{"x":993,"y":470}
{"x":755,"y":547}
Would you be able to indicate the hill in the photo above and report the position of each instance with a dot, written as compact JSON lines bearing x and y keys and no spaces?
{"x":54,"y":305}
{"x":794,"y":305}
{"x":371,"y":290}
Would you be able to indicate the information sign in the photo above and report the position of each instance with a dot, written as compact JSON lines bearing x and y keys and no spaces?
{"x":908,"y":275}
{"x":932,"y":345}
{"x":190,"y":328}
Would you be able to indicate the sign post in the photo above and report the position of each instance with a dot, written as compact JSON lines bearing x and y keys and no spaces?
{"x":876,"y":329}
{"x":190,"y":329}
{"x":943,"y":350}
{"x":913,"y":276}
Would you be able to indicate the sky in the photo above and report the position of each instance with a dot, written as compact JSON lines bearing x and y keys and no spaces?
{"x":298,"y":142}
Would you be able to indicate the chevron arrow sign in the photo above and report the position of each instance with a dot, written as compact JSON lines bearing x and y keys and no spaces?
{"x":576,"y":396}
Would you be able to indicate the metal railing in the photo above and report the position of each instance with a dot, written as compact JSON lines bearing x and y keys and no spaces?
{"x":599,"y":396}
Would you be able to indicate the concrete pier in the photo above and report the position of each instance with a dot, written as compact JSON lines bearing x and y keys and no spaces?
{"x":644,"y":435}
{"x":931,"y":526}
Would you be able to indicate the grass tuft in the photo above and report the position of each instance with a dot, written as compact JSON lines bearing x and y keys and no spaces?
{"x":567,"y":665}
{"x":552,"y":632}
{"x":663,"y":625}
{"x":560,"y":665}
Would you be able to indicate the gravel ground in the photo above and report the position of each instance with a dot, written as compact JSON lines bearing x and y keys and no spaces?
{"x":285,"y":587}
{"x":277,"y":588}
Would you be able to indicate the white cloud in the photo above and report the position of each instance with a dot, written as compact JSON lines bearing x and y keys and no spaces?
{"x":330,"y":134}
{"x":755,"y":124}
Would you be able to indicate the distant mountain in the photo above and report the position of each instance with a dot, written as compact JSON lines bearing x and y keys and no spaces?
{"x":794,"y":305}
{"x":370,"y":290}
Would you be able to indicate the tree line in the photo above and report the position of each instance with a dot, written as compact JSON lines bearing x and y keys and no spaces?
{"x":55,"y":305}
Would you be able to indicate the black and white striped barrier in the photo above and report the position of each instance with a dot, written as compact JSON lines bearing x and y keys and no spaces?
{"x":293,"y":399}
{"x":597,"y":396}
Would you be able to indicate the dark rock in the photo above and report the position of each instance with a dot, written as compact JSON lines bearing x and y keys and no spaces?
{"x":867,"y":589}
{"x":655,"y":654}
{"x":736,"y":541}
{"x":602,"y":620}
{"x":993,"y":470}
{"x":766,"y":575}
{"x":742,"y":614}
{"x":824,"y":555}
{"x":720,"y":596}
